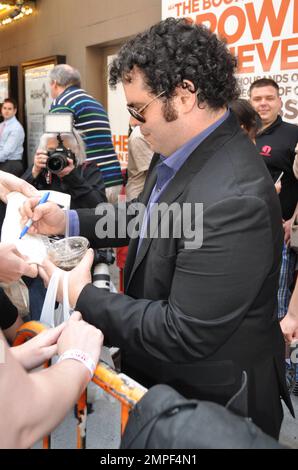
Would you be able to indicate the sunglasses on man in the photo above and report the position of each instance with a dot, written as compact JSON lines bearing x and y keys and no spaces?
{"x":138,"y":113}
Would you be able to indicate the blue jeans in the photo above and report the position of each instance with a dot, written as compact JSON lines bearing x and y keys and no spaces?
{"x":286,"y":279}
{"x":37,"y":293}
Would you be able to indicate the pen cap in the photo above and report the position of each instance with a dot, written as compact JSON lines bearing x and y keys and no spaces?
{"x":68,"y":252}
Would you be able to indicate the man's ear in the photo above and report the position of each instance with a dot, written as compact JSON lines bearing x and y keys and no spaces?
{"x":187,"y":95}
{"x":188,"y":85}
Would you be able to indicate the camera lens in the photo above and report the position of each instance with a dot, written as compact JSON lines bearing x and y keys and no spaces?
{"x":56,"y":162}
{"x":103,"y":256}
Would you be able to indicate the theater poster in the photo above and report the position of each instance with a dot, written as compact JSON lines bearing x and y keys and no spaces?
{"x":37,"y":98}
{"x":37,"y":104}
{"x":4,"y":92}
{"x":263,"y":34}
{"x":119,"y":120}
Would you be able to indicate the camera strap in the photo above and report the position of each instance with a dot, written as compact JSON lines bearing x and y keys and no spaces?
{"x":48,"y":177}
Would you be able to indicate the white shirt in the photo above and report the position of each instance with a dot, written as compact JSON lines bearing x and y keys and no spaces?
{"x":11,"y":140}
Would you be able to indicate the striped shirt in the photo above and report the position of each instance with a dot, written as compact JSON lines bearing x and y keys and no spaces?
{"x":91,"y":120}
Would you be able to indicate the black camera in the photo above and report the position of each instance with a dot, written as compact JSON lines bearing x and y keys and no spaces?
{"x":106,"y":256}
{"x":57,"y":158}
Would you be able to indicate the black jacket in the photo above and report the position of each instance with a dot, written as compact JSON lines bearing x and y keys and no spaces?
{"x":163,"y":419}
{"x":196,"y":318}
{"x":84,"y":184}
{"x":276,"y":145}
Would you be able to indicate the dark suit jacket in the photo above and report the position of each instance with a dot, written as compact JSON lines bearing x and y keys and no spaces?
{"x":196,"y":318}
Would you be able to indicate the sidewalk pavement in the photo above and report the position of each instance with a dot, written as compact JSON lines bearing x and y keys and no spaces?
{"x":289,"y":429}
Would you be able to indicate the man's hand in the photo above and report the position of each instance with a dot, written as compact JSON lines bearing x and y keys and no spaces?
{"x":278,"y":187}
{"x":40,"y":162}
{"x":39,"y":349}
{"x":13,"y":264}
{"x":48,"y":218}
{"x":289,"y":327}
{"x":78,"y":334}
{"x":79,"y":277}
{"x":287,"y":229}
{"x":9,"y":183}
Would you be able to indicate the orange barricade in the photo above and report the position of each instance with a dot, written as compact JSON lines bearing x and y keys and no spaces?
{"x":123,"y":388}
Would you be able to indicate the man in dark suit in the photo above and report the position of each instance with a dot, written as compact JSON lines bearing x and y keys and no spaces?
{"x":196,"y":313}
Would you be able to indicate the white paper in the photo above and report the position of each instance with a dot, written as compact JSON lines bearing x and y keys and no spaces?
{"x":33,"y":246}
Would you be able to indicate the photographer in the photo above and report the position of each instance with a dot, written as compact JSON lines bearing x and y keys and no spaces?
{"x":61,"y":166}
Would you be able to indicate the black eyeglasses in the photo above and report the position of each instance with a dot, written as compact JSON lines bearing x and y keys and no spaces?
{"x":138,"y":113}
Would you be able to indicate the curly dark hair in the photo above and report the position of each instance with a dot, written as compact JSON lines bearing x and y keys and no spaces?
{"x":175,"y":50}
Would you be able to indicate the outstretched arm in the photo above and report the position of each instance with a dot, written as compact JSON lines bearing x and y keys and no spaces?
{"x":13,"y":264}
{"x":9,"y":183}
{"x":39,"y":349}
{"x":32,"y":405}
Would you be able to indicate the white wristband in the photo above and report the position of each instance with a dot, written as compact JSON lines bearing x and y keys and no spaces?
{"x":80,"y":356}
